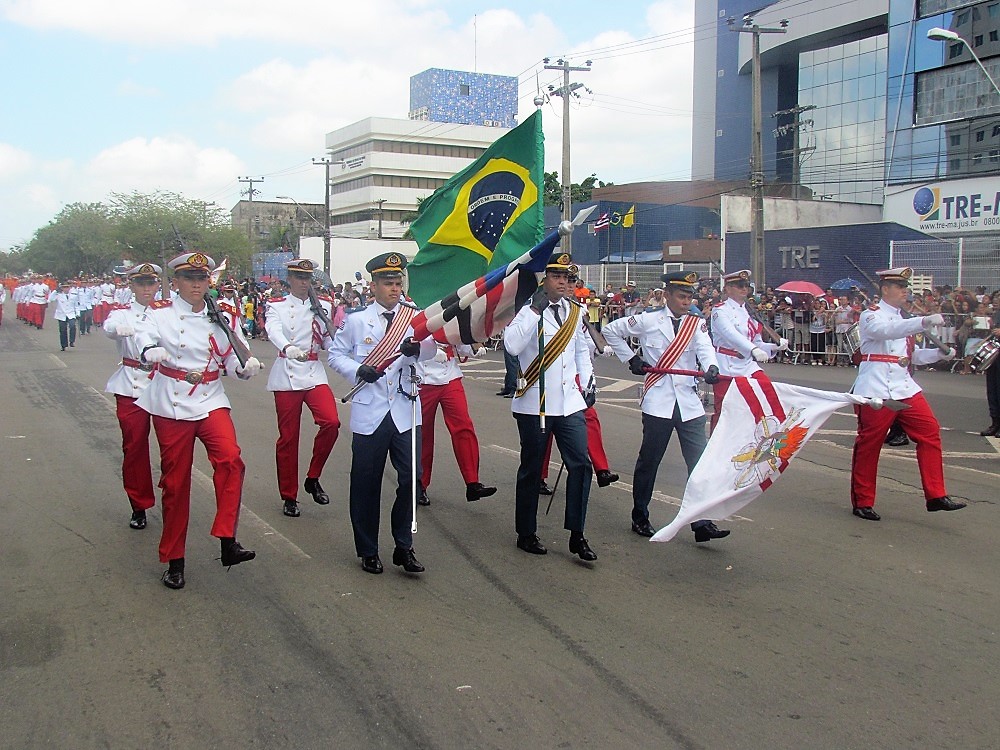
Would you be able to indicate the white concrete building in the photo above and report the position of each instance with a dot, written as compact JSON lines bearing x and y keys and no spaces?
{"x":383,"y":166}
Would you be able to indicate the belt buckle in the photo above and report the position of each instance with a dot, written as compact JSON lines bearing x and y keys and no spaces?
{"x":304,"y":357}
{"x":194,"y":377}
{"x":904,"y":362}
{"x":147,"y":366}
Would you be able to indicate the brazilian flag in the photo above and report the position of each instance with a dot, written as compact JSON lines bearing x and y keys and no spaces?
{"x":484,"y":217}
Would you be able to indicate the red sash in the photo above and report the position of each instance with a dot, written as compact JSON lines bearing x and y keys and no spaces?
{"x":393,"y":337}
{"x":673,"y":352}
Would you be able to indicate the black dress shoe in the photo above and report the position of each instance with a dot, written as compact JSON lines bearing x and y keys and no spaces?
{"x":477,"y":490}
{"x":291,"y":509}
{"x":505,"y":393}
{"x":543,"y":488}
{"x":509,"y":395}
{"x":708,"y":532}
{"x":868,"y":514}
{"x":992,"y":431}
{"x":532,"y":544}
{"x":234,"y":554}
{"x":643,"y":528}
{"x":173,"y":576}
{"x":371,"y":564}
{"x":605,"y":477}
{"x":422,"y":498}
{"x":138,"y":520}
{"x":943,"y":503}
{"x":313,"y":487}
{"x":897,"y":441}
{"x":578,"y":546}
{"x":407,"y":560}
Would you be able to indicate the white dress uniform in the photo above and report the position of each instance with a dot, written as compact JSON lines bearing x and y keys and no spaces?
{"x":107,"y":293}
{"x":655,"y":331}
{"x":359,"y":334}
{"x":734,"y":331}
{"x":563,"y":376}
{"x":443,"y":367}
{"x":123,"y":295}
{"x":883,"y":332}
{"x":174,"y":326}
{"x":131,"y":378}
{"x":290,"y":321}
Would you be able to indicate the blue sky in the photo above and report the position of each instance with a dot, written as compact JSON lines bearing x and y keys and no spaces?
{"x":110,"y":95}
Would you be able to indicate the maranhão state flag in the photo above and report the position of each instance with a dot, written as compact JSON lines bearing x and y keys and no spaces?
{"x":763,"y":426}
{"x":602,"y":223}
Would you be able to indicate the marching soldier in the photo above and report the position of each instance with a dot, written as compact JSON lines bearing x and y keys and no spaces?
{"x":127,"y":383}
{"x":887,"y":349}
{"x":64,"y":311}
{"x":737,"y":339}
{"x":671,"y":338}
{"x":441,"y":385}
{"x":382,"y":418}
{"x":298,"y":377}
{"x":187,"y":401}
{"x":549,"y":384}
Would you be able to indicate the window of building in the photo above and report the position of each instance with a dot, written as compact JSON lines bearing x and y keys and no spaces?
{"x":996,"y":131}
{"x":980,"y":135}
{"x":962,"y":18}
{"x":994,"y":37}
{"x":955,"y":50}
{"x":955,"y":139}
{"x":955,"y":165}
{"x":463,"y":89}
{"x":977,"y":159}
{"x":977,"y":41}
{"x":994,"y":10}
{"x":931,"y":7}
{"x":995,"y":156}
{"x":956,"y":92}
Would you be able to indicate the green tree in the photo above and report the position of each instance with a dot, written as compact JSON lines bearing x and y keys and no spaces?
{"x":80,"y":239}
{"x":581,"y":192}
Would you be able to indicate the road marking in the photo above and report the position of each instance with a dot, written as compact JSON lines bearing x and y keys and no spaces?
{"x":620,"y":485}
{"x":616,"y":385}
{"x":58,"y":361}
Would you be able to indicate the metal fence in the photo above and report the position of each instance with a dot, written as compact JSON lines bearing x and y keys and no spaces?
{"x":965,"y":262}
{"x":645,"y":275}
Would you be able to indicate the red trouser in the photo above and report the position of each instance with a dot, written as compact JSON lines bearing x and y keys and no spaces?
{"x":595,"y":444}
{"x":137,"y":473}
{"x":176,"y":439}
{"x":288,"y":405}
{"x":719,"y":394}
{"x":36,"y":314}
{"x":455,"y":408}
{"x":920,"y":425}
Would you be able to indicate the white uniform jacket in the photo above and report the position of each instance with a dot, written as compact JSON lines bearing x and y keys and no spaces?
{"x":655,"y":331}
{"x":128,"y":380}
{"x":123,"y":295}
{"x":735,"y":331}
{"x":39,"y":294}
{"x":563,"y":377}
{"x":290,"y":321}
{"x":883,"y":331}
{"x":360,"y":332}
{"x":107,"y":294}
{"x":443,"y":367}
{"x":63,"y":305}
{"x":194,"y":344}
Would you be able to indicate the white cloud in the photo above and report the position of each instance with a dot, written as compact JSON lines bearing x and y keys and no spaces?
{"x":130,"y":88}
{"x":14,"y":163}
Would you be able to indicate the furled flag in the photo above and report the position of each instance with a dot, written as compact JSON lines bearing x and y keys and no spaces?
{"x":219,"y":269}
{"x":628,"y":219}
{"x":485,"y":305}
{"x":602,"y":223}
{"x":763,"y":426}
{"x":483,"y":218}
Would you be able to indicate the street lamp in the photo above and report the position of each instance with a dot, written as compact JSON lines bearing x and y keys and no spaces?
{"x":945,"y":35}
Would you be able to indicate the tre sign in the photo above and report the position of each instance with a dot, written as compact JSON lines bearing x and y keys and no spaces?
{"x":799,"y":257}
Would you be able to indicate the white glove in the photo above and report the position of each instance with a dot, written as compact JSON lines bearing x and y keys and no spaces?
{"x":759,"y":355}
{"x":949,"y":355}
{"x":251,"y":368}
{"x":440,"y":355}
{"x":928,"y":321}
{"x":782,"y":345}
{"x":155,"y":355}
{"x":124,"y":330}
{"x":480,"y":352}
{"x":608,"y":352}
{"x":291,"y":352}
{"x":875,"y":403}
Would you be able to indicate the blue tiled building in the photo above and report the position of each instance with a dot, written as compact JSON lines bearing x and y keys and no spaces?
{"x":458,"y":96}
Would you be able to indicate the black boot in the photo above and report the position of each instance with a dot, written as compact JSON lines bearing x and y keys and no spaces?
{"x":993,"y":430}
{"x":233,"y":552}
{"x":173,"y":576}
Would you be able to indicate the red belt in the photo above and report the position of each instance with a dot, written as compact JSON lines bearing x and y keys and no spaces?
{"x":194,"y":377}
{"x":890,"y":358}
{"x":144,"y":366}
{"x":728,"y":352}
{"x":310,"y":357}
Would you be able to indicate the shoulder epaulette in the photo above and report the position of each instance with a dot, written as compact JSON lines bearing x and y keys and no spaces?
{"x":874,"y":307}
{"x":326,"y":299}
{"x":353,"y":310}
{"x":695,"y":314}
{"x":159,"y":304}
{"x":275,"y":299}
{"x":719,"y":304}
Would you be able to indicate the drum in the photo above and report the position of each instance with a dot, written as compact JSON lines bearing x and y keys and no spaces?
{"x":985,"y":355}
{"x":852,"y":344}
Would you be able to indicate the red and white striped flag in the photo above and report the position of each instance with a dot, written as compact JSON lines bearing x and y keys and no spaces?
{"x":763,"y":426}
{"x":602,"y":223}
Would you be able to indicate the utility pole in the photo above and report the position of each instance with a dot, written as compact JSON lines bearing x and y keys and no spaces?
{"x":380,"y":201}
{"x":757,"y":265}
{"x":326,"y":162}
{"x":795,"y":128}
{"x":250,"y":193}
{"x":566,"y":91}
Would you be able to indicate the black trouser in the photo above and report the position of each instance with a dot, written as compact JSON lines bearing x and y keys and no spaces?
{"x":510,"y":372}
{"x":570,"y":433}
{"x":369,"y":453}
{"x":67,"y":326}
{"x":86,"y":320}
{"x":993,"y":391}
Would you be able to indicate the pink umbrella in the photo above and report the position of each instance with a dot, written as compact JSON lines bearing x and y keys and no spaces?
{"x":801,"y":287}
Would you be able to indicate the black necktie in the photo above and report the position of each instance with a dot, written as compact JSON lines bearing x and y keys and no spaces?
{"x":677,"y":324}
{"x":555,"y":311}
{"x":388,"y":319}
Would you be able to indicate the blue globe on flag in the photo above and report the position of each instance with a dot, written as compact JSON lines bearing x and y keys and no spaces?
{"x":923,"y":201}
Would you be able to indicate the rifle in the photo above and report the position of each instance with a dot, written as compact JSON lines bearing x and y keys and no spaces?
{"x":317,"y":308}
{"x":243,"y":353}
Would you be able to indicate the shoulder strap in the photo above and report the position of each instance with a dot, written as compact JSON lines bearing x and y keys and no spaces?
{"x":553,"y":350}
{"x":393,"y":337}
{"x":674,"y":351}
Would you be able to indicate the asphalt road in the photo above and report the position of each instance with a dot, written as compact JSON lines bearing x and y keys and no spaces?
{"x":805,"y":628}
